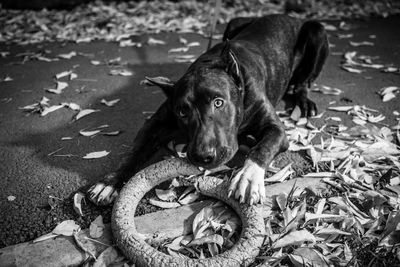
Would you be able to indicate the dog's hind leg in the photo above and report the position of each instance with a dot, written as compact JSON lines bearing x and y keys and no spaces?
{"x":235,"y":26}
{"x":155,"y":133}
{"x":312,"y":49}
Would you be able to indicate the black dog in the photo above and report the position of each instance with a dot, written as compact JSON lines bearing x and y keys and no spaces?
{"x":229,"y":92}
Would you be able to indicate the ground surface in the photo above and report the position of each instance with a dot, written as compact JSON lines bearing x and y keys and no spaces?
{"x":43,"y":184}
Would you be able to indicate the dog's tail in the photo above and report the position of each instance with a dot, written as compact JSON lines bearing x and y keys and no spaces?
{"x":213,"y":21}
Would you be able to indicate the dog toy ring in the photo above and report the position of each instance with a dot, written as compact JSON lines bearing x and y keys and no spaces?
{"x":142,"y":254}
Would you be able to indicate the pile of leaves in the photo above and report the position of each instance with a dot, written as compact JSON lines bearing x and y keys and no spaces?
{"x":118,"y":21}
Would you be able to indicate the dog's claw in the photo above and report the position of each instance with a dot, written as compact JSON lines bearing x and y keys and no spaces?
{"x":102,"y":194}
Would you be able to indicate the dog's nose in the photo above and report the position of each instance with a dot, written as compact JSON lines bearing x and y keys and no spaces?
{"x":206,"y":156}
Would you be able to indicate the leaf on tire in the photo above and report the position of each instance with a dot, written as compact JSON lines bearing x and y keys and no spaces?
{"x":96,"y":228}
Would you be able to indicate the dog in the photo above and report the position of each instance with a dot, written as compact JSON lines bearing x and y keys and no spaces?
{"x":230,"y":92}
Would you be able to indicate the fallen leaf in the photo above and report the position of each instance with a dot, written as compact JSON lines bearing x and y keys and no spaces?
{"x":108,"y":257}
{"x":215,"y":238}
{"x":11,"y":198}
{"x":95,"y":62}
{"x":50,"y":109}
{"x":66,"y":228}
{"x":44,"y":237}
{"x":67,"y":55}
{"x":352,"y":70}
{"x":78,"y":197}
{"x":281,"y":175}
{"x":164,"y":204}
{"x":96,"y":227}
{"x":308,"y":257}
{"x":96,"y":155}
{"x":153,"y":41}
{"x":179,"y":50}
{"x":294,"y":238}
{"x":59,"y":88}
{"x":166,"y":195}
{"x":111,"y":133}
{"x":296,"y":113}
{"x":89,"y":133}
{"x":88,"y":246}
{"x":109,"y":103}
{"x":84,"y":113}
{"x":122,"y":72}
{"x":63,"y":74}
{"x":341,"y":108}
{"x":364,"y":43}
{"x":189,"y":198}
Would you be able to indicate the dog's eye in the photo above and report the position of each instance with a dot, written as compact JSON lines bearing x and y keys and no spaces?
{"x":218,"y":102}
{"x":182,"y":113}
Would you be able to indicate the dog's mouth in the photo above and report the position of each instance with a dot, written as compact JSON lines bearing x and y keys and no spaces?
{"x":223,"y":155}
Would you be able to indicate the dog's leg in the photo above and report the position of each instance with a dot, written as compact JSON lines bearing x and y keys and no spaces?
{"x":157,"y":131}
{"x":235,"y":26}
{"x":248,"y":183}
{"x":312,"y":47}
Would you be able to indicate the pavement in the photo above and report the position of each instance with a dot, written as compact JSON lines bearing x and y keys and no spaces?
{"x":39,"y":172}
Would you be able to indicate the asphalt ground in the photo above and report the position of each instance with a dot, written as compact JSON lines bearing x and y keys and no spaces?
{"x":43,"y":182}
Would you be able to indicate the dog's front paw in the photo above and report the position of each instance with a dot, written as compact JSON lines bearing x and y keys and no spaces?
{"x":248,"y":184}
{"x":104,"y":192}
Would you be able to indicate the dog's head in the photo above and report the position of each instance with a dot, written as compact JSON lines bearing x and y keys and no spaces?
{"x":207,"y":102}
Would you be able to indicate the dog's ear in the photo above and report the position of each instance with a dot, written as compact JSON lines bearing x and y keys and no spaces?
{"x":164,"y":83}
{"x":231,"y":63}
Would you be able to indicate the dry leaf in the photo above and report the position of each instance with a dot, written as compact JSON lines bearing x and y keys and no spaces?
{"x":96,"y":155}
{"x":78,"y":197}
{"x":108,"y":257}
{"x":294,"y":238}
{"x":121,"y":72}
{"x":217,"y":239}
{"x":296,"y":113}
{"x":50,"y":109}
{"x":89,"y":133}
{"x":110,"y":103}
{"x":11,"y":198}
{"x":85,"y":244}
{"x":163,"y":204}
{"x":66,"y":228}
{"x":281,"y":175}
{"x":352,"y":70}
{"x":308,"y":257}
{"x":59,"y":88}
{"x":84,"y":113}
{"x":189,"y":198}
{"x":63,"y":74}
{"x":67,"y":55}
{"x":166,"y":195}
{"x":153,"y":41}
{"x":44,"y":237}
{"x":96,"y":227}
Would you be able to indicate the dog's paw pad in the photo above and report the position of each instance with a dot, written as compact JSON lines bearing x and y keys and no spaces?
{"x":102,"y":194}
